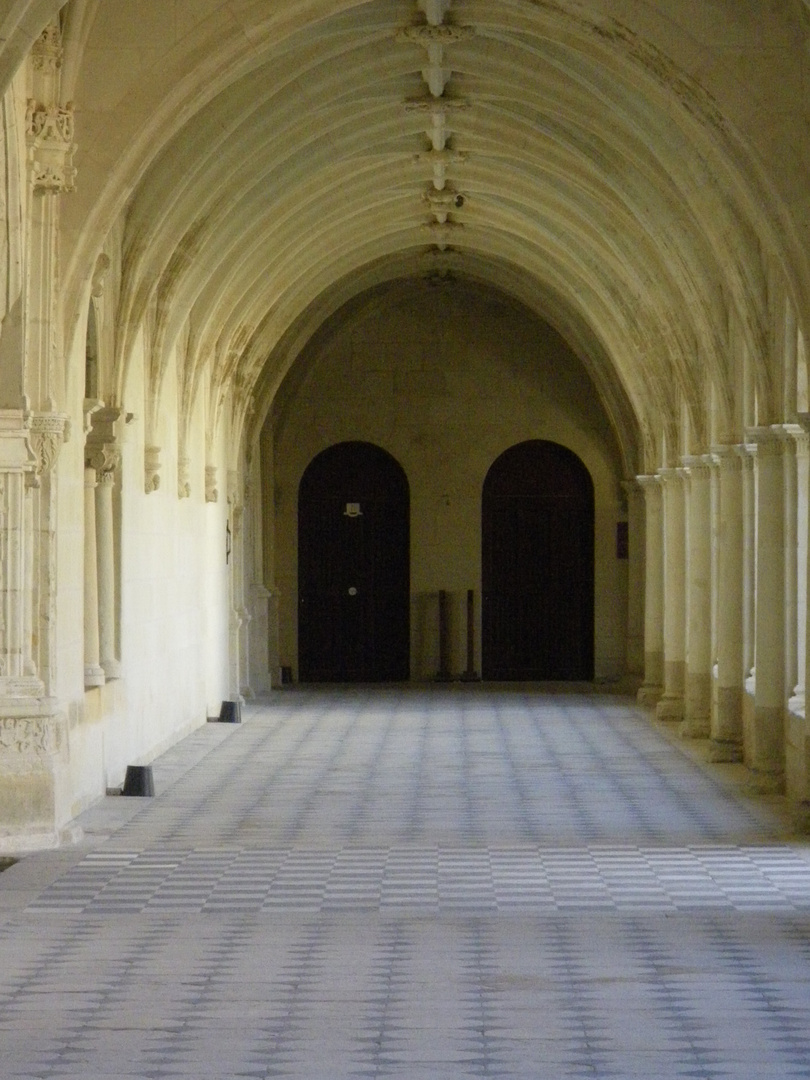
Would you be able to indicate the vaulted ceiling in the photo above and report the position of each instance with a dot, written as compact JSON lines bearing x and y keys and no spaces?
{"x":633,"y":170}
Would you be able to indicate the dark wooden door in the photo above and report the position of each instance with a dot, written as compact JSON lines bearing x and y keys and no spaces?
{"x":537,"y":563}
{"x":353,"y":567}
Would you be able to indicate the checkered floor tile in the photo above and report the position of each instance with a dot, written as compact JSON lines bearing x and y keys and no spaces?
{"x":415,"y":884}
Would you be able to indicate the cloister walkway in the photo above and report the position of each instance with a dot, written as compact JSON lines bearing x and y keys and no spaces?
{"x":416,"y":883}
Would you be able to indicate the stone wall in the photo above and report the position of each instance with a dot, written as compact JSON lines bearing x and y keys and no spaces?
{"x":445,"y":377}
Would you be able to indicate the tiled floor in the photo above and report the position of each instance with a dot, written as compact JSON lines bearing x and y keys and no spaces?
{"x":449,"y":882}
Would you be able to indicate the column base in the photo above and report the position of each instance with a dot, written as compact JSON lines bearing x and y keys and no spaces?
{"x":649,"y":695}
{"x":725,"y":753}
{"x":694,"y":727}
{"x":765,"y":782}
{"x":669,"y":708}
{"x":727,"y":715}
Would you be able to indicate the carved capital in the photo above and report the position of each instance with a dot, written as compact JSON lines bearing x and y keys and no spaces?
{"x":234,"y":494}
{"x":211,"y":492}
{"x":727,"y":458}
{"x":183,"y":477}
{"x":46,"y":52}
{"x":48,"y":432}
{"x":49,"y":130}
{"x":105,"y":458}
{"x":151,"y":469}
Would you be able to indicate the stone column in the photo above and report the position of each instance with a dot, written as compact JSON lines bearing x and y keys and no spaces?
{"x":105,"y":536}
{"x":799,"y":705}
{"x":766,"y":753}
{"x":635,"y":577}
{"x":697,"y":695}
{"x":748,"y":457}
{"x":652,"y":688}
{"x":104,"y":455}
{"x":793,"y":435}
{"x":93,"y":672}
{"x":236,"y":564}
{"x":670,"y":707}
{"x":726,"y":721}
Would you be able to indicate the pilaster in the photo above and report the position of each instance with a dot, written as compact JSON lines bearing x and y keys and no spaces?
{"x":671,"y":705}
{"x":652,"y":687}
{"x":697,"y":690}
{"x":635,"y":576}
{"x":727,"y":717}
{"x":765,"y":753}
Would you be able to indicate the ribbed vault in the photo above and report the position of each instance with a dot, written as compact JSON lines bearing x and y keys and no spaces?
{"x":328,"y":146}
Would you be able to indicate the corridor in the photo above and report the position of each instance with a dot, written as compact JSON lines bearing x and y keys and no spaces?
{"x":416,"y":883}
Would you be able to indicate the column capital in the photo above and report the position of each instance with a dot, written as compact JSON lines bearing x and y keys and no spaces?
{"x":698,"y":465}
{"x":151,"y":468}
{"x":768,"y":440}
{"x":671,"y":474}
{"x":728,"y":459}
{"x":211,"y":492}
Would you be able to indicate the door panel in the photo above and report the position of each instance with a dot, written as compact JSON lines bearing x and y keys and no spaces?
{"x":353,"y":567}
{"x":537,"y":559}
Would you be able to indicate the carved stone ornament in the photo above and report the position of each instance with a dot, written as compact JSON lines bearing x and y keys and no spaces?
{"x":442,"y":232}
{"x":47,"y":433}
{"x":30,"y":736}
{"x":433,"y":105}
{"x":49,"y":129}
{"x":152,"y":469}
{"x":100,"y":275}
{"x":211,"y":492}
{"x":183,"y":477}
{"x":105,"y":458}
{"x":46,"y":52}
{"x":428,"y":35}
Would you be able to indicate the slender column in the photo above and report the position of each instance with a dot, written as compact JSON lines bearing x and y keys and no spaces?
{"x":635,"y":577}
{"x":652,"y":688}
{"x":670,"y":707}
{"x":726,"y":720}
{"x":803,"y":462}
{"x":106,"y":573}
{"x":697,"y":696}
{"x":792,"y":432}
{"x":766,"y":753}
{"x":748,"y":456}
{"x":93,"y":672}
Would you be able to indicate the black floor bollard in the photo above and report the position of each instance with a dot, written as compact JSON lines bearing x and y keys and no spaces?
{"x":230,"y":712}
{"x":139,"y":780}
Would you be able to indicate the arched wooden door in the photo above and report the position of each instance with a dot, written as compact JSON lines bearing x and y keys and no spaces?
{"x":537,"y":565}
{"x":353,"y":567}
